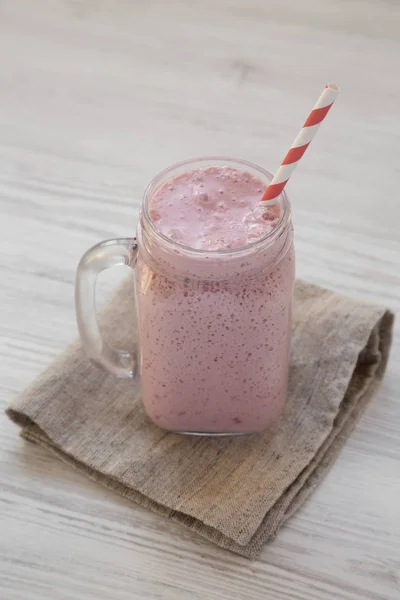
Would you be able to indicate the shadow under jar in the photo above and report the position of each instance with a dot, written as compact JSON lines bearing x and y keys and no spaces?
{"x":214,"y":325}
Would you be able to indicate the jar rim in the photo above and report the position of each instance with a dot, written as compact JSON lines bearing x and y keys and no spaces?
{"x":268,"y":238}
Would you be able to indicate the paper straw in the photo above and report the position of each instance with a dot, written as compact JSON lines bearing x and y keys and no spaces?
{"x":300,"y":144}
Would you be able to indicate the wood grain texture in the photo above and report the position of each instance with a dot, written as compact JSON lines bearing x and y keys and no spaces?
{"x":96,"y":98}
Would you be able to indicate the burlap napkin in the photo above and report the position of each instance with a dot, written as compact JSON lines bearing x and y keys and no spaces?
{"x":237,"y":492}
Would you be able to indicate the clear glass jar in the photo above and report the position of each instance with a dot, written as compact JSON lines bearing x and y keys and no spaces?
{"x":214,"y":325}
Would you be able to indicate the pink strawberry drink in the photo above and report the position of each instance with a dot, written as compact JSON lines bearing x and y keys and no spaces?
{"x":214,"y":282}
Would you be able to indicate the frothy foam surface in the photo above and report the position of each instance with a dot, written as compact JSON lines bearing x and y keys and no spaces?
{"x":215,"y":208}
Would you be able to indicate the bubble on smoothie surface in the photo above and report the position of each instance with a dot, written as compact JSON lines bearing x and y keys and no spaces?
{"x":203,"y":198}
{"x":218,"y":206}
{"x":177,"y":235}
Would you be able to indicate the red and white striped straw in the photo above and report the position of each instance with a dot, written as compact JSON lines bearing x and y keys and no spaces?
{"x":300,"y":144}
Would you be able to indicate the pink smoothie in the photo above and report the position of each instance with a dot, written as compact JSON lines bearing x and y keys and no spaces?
{"x":215,"y":344}
{"x":216,"y":208}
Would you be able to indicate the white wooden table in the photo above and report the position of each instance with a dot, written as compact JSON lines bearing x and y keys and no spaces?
{"x":96,"y":97}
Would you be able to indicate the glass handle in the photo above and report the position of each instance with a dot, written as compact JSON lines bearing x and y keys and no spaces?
{"x":111,"y":253}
